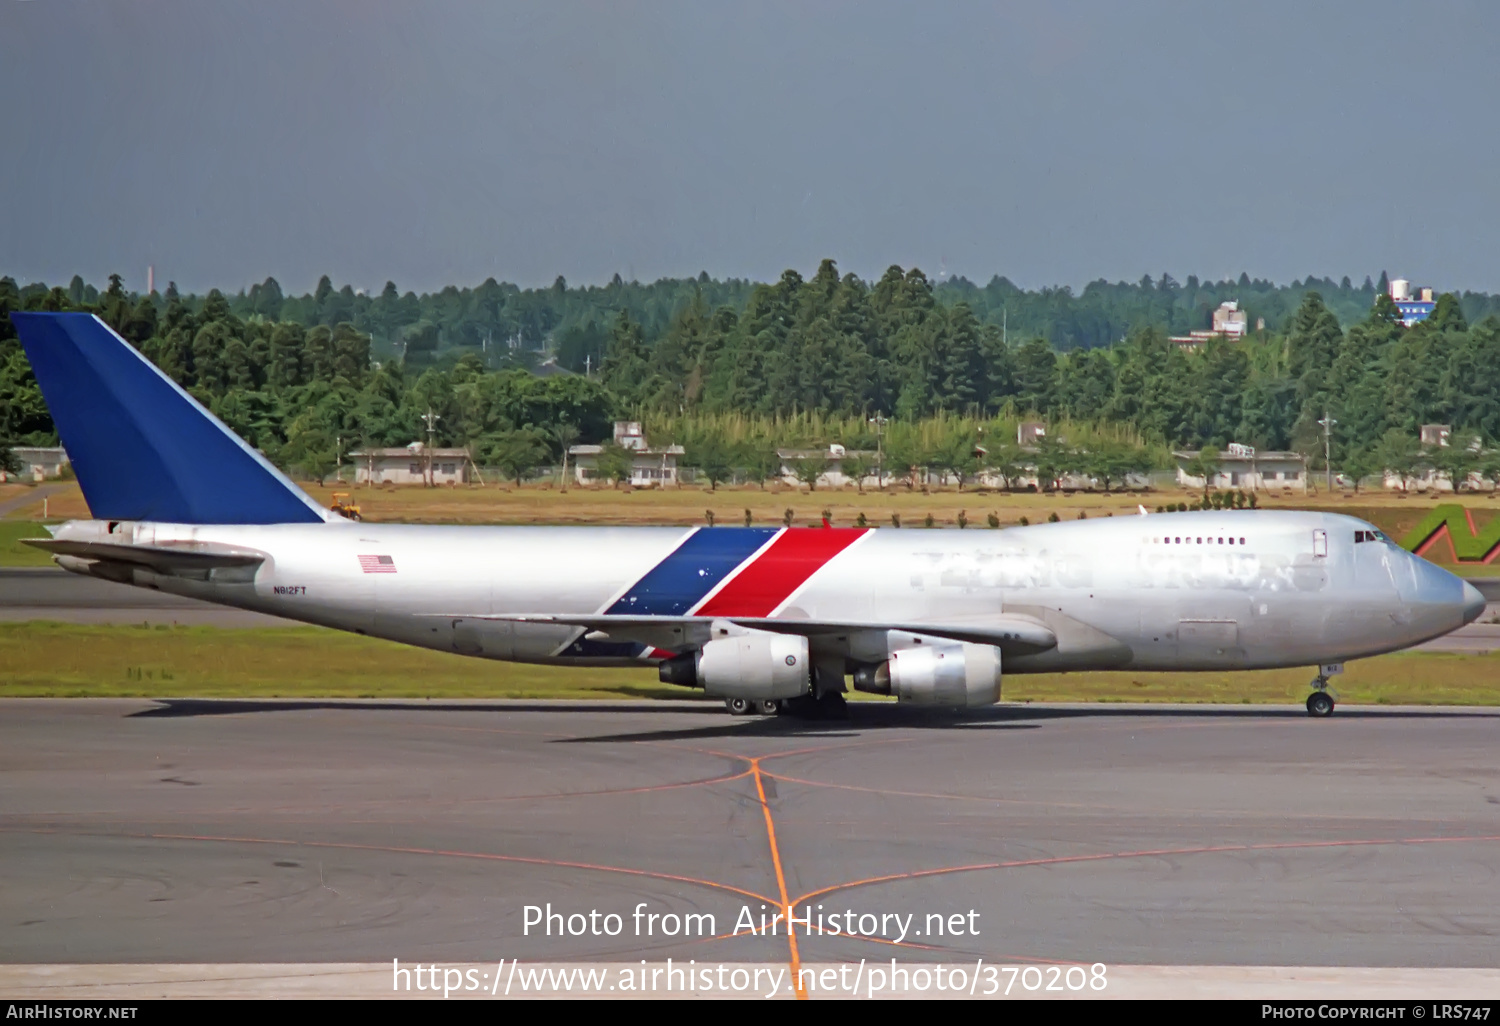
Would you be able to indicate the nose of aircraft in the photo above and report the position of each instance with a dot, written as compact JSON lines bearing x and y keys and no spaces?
{"x":1434,"y":599}
{"x":1473,"y":602}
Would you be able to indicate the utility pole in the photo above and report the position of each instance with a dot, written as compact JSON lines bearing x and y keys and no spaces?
{"x":1327,"y":423}
{"x":879,"y":421}
{"x":431,"y":419}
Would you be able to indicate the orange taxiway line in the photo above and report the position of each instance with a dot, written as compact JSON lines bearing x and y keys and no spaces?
{"x":1277,"y":815}
{"x":1156,"y":853}
{"x":786,"y":906}
{"x":747,"y":759}
{"x":946,"y":797}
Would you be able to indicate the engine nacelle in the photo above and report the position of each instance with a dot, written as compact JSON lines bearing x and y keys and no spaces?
{"x":959,"y":674}
{"x":754,"y":664}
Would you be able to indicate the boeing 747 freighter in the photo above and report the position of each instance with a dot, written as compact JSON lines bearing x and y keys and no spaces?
{"x":765,"y":618}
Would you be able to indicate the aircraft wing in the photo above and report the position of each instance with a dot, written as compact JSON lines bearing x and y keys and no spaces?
{"x":1012,"y":634}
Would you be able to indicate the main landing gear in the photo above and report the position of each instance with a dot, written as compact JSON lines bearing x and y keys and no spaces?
{"x":751,"y":707}
{"x":1320,"y":702}
{"x":804,"y":707}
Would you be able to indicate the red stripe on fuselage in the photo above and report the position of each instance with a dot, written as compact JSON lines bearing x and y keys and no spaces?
{"x":780,"y":570}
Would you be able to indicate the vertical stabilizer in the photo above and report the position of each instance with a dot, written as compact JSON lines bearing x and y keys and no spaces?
{"x":142,"y":448}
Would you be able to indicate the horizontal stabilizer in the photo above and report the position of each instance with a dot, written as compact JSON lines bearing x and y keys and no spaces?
{"x":1018,"y":635}
{"x":142,"y":448}
{"x":167,"y":559}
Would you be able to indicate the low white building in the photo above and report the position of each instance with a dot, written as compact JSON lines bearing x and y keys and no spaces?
{"x":1427,"y":477}
{"x":1240,"y":466}
{"x":37,"y":463}
{"x":648,"y":466}
{"x":836,"y":466}
{"x":412,"y":464}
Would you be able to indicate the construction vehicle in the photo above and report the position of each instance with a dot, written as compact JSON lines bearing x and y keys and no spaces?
{"x":344,"y":507}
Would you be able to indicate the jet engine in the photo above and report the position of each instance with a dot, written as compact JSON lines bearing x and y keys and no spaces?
{"x":754,"y":664}
{"x":959,"y":674}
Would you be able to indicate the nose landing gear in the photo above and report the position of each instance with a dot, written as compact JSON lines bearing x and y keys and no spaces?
{"x":1320,"y":703}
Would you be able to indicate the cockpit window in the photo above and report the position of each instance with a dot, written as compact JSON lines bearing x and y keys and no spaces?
{"x":1369,"y":536}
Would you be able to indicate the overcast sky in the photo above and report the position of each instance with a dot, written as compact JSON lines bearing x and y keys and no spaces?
{"x":1054,"y":143}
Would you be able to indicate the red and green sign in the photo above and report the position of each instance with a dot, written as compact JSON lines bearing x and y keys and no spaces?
{"x":1455,"y":525}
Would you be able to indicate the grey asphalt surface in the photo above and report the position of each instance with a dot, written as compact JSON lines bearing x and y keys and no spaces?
{"x":280,"y":831}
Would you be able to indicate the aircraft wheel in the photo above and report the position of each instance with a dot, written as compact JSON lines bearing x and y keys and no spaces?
{"x":768,"y":707}
{"x":1320,"y":703}
{"x":738,"y":706}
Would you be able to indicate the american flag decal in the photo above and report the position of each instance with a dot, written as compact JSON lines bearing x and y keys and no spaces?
{"x":377,"y":564}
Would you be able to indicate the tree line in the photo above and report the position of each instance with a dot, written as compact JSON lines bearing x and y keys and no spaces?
{"x":508,"y":325}
{"x":309,"y":395}
{"x":831,"y":344}
{"x":310,"y":378}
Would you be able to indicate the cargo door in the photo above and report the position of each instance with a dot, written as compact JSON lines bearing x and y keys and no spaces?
{"x":1205,"y":642}
{"x":495,"y":639}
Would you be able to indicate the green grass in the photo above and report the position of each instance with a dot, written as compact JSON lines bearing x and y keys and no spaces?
{"x":13,"y":553}
{"x":42,"y":659}
{"x":70,"y":660}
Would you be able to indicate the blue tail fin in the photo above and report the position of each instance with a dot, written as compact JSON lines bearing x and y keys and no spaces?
{"x":143,"y":449}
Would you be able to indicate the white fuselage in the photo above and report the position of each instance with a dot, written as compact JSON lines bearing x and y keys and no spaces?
{"x":1185,"y":591}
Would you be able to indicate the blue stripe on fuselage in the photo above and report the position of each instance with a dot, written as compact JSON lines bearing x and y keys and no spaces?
{"x":694,"y":568}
